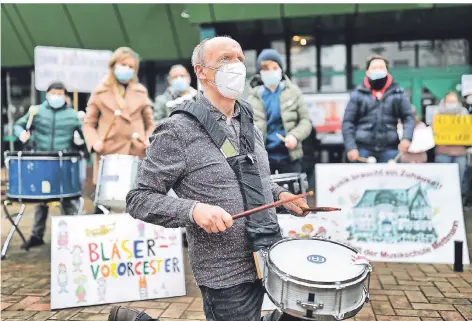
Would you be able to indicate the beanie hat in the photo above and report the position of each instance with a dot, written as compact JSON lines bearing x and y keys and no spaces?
{"x":271,"y":55}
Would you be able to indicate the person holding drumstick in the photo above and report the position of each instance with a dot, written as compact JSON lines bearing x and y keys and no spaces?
{"x":212,"y":155}
{"x":50,"y":127}
{"x":119,"y":112}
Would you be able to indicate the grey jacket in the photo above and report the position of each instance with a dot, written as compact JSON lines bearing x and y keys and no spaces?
{"x":162,"y":107}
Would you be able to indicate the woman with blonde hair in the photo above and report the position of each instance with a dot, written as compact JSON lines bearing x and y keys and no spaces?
{"x":120,"y":103}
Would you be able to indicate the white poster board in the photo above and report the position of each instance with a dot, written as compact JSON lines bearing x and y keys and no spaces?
{"x":466,"y":85}
{"x":99,"y":259}
{"x":327,"y":112}
{"x":80,"y":70}
{"x":396,"y":212}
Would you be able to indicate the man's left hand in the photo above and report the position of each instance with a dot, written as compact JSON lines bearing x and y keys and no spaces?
{"x":404,"y":145}
{"x":295,"y":207}
{"x":290,"y":142}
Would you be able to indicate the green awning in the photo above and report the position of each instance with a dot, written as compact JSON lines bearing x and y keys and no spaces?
{"x":156,"y":31}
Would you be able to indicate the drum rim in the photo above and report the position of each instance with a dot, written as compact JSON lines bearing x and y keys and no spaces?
{"x":41,"y":154}
{"x":362,"y":276}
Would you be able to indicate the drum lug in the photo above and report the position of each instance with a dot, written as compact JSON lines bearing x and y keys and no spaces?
{"x":310,"y":305}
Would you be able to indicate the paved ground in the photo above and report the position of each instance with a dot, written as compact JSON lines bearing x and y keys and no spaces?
{"x":399,"y":292}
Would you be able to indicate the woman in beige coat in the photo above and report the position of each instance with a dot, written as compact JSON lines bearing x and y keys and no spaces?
{"x":120,"y":91}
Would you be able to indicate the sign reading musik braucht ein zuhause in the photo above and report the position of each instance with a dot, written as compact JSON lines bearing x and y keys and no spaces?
{"x":396,"y":212}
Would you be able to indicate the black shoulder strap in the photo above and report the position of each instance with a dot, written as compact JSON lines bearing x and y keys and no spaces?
{"x":204,"y":117}
{"x":247,"y":136}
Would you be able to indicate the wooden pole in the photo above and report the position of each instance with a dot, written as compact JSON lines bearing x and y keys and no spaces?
{"x":76,"y":101}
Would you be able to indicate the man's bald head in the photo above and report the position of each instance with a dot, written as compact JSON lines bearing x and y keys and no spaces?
{"x":199,"y":55}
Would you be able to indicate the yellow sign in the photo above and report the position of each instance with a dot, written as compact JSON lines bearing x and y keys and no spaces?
{"x":452,"y":130}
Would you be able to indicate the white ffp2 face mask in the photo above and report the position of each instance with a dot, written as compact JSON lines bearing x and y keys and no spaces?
{"x":230,"y":79}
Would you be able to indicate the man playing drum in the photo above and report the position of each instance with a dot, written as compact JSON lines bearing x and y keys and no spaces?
{"x":53,"y":123}
{"x":211,"y":154}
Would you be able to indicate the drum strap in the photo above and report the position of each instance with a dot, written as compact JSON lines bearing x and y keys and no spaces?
{"x":263,"y":229}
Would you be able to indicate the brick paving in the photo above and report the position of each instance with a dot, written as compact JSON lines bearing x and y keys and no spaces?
{"x":399,"y":292}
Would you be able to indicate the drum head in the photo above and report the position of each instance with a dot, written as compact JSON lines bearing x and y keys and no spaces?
{"x":315,"y":260}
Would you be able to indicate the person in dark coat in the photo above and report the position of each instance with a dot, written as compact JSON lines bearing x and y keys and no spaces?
{"x":370,"y":121}
{"x":310,"y":146}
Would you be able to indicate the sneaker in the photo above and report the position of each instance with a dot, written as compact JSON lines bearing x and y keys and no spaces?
{"x":119,"y":313}
{"x":32,"y":242}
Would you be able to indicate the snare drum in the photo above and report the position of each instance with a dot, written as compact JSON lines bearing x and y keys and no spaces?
{"x":316,"y":279}
{"x":43,"y":176}
{"x":296,"y":183}
{"x":116,"y":176}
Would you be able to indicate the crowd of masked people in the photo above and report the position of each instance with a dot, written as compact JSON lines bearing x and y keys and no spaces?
{"x":369,"y":127}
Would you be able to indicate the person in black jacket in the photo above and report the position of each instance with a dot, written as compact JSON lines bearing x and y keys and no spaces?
{"x":310,"y":145}
{"x":370,"y":121}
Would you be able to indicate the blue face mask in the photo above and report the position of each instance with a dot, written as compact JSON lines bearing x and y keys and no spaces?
{"x":272,"y":77}
{"x":179,"y":84}
{"x":56,"y":101}
{"x":123,"y":73}
{"x":377,"y":74}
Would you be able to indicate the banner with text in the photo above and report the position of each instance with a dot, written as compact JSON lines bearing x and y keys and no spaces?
{"x":452,"y":130}
{"x":80,"y":70}
{"x":99,"y":259}
{"x":396,"y":212}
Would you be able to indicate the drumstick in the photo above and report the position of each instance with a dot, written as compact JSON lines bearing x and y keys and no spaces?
{"x":321,"y":209}
{"x":271,"y":205}
{"x":139,"y":139}
{"x":282,"y":138}
{"x":396,"y":158}
{"x":33,"y":110}
{"x":117,"y":113}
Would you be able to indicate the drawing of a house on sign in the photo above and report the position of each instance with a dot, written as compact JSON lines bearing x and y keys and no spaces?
{"x":393,"y":216}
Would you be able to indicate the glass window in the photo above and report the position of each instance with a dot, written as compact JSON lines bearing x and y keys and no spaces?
{"x":333,"y":64}
{"x":251,"y":57}
{"x":397,"y":53}
{"x":161,"y":83}
{"x":303,"y":63}
{"x":444,"y":53}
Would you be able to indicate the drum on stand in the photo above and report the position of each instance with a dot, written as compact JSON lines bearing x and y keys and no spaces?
{"x":116,"y":175}
{"x":43,"y":176}
{"x":315,"y":279}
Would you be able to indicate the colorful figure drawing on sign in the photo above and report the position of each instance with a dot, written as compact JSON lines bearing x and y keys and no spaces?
{"x":77,"y":258}
{"x":102,"y":289}
{"x":63,"y":237}
{"x":102,"y":230}
{"x":80,"y":291}
{"x":307,"y":230}
{"x":143,"y":291}
{"x":292,"y":233}
{"x":62,"y":278}
{"x":321,"y":232}
{"x":141,"y":228}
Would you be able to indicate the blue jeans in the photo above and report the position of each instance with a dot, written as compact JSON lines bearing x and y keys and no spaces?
{"x":462,"y":162}
{"x":382,"y":157}
{"x":242,"y":302}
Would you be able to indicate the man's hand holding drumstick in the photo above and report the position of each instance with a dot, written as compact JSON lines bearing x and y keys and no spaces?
{"x":26,"y":134}
{"x":290,"y":140}
{"x":98,"y":146}
{"x":136,"y":136}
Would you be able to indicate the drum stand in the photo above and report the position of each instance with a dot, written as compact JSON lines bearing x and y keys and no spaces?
{"x":14,"y":223}
{"x":15,"y":220}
